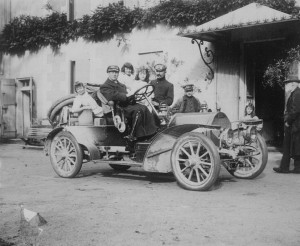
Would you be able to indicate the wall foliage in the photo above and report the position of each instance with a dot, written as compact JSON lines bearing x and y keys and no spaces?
{"x":277,"y":72}
{"x":32,"y":33}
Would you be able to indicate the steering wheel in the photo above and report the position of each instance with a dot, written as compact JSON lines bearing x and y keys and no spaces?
{"x":143,"y":92}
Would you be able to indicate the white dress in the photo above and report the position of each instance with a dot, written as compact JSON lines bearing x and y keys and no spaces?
{"x":87,"y":100}
{"x":128,"y":81}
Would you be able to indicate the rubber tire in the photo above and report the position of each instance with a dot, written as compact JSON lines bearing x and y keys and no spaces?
{"x":210,"y":146}
{"x":79,"y":155}
{"x":58,"y":108}
{"x":58,"y":101}
{"x":264,"y":150}
{"x":119,"y":167}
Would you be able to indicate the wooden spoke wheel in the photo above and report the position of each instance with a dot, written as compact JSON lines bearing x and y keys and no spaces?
{"x":66,"y":155}
{"x":195,"y":162}
{"x":255,"y":160}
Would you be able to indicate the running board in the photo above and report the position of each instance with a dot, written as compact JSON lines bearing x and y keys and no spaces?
{"x":126,"y":163}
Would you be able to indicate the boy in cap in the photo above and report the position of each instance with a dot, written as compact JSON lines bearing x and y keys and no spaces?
{"x":163,"y":89}
{"x":188,"y":103}
{"x":140,"y":120}
{"x":291,"y":141}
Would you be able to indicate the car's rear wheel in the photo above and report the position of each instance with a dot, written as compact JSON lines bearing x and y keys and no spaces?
{"x":254,"y":163}
{"x":119,"y":167}
{"x":195,"y":162}
{"x":66,"y":155}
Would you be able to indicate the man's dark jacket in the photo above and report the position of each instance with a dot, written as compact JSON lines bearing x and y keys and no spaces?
{"x":116,"y":91}
{"x":292,"y":117}
{"x":163,"y":91}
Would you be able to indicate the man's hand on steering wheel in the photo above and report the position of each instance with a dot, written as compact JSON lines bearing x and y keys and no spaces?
{"x":131,"y":99}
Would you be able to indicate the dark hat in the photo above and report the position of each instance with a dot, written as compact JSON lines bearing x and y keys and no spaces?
{"x":292,"y":78}
{"x":293,"y":74}
{"x":113,"y":68}
{"x":189,"y":87}
{"x":160,"y":67}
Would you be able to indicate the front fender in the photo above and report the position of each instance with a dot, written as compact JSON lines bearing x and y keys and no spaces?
{"x":158,"y":154}
{"x":89,"y":137}
{"x":49,"y":138}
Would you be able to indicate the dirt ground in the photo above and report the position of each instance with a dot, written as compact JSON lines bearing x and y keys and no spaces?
{"x":104,"y":207}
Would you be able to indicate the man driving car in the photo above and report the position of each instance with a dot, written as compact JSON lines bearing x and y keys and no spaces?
{"x":140,"y":120}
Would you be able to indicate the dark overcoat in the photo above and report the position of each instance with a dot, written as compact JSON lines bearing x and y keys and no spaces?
{"x":146,"y":124}
{"x":163,"y":91}
{"x":292,"y":117}
{"x":187,"y":105}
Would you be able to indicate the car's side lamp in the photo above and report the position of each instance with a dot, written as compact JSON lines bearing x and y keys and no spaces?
{"x":251,"y":133}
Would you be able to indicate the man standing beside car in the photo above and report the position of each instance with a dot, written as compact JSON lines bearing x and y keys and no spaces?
{"x":140,"y":120}
{"x":163,"y":89}
{"x":291,"y":141}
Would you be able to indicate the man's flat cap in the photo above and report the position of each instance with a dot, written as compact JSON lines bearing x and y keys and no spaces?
{"x":160,"y":67}
{"x":113,"y":68}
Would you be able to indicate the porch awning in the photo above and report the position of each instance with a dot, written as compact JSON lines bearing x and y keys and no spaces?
{"x":253,"y":17}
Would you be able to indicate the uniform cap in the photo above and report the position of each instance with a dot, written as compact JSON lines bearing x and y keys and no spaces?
{"x":189,"y":87}
{"x":160,"y":67}
{"x":113,"y":68}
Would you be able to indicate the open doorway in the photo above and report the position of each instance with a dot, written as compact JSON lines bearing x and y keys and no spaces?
{"x":268,"y":101}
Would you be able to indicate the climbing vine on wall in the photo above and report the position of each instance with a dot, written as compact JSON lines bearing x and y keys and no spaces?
{"x":33,"y":33}
{"x":277,"y":72}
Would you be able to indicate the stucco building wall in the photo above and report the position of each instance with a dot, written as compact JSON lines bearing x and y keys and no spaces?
{"x":51,"y":70}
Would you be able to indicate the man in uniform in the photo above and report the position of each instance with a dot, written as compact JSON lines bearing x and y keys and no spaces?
{"x":139,"y":118}
{"x":163,"y":89}
{"x":291,"y":142}
{"x":188,"y":103}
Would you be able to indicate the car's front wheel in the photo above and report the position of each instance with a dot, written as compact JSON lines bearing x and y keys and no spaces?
{"x":66,"y":155}
{"x":195,"y":162}
{"x":255,"y":160}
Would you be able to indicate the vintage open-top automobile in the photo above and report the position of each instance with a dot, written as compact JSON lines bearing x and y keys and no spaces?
{"x":191,"y":145}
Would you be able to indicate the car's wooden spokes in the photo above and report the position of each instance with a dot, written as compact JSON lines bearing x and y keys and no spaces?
{"x":65,"y":155}
{"x":194,"y":162}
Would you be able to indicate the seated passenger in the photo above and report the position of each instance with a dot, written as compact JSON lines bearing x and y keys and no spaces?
{"x":141,"y":121}
{"x":126,"y":77}
{"x":141,"y":80}
{"x":163,"y":89}
{"x":188,"y":103}
{"x":84,"y":101}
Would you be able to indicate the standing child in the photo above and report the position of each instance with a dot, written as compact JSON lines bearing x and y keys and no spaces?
{"x":250,"y":115}
{"x":250,"y":112}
